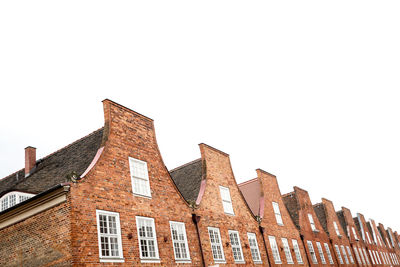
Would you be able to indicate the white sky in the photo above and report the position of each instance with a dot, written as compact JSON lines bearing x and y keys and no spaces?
{"x":307,"y":90}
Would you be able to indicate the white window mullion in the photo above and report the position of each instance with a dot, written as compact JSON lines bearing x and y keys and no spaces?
{"x":179,"y":241}
{"x":236,"y":246}
{"x":255,"y":252}
{"x":139,"y":177}
{"x":109,"y":236}
{"x":216,"y":245}
{"x":328,"y":252}
{"x":312,"y":252}
{"x":147,"y":239}
{"x":297,"y":251}
{"x":286,"y":248}
{"x":275,"y":250}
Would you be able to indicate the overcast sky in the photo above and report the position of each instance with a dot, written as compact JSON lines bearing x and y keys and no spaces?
{"x":306,"y":90}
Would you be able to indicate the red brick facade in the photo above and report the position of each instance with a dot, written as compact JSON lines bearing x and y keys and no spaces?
{"x":103,"y":221}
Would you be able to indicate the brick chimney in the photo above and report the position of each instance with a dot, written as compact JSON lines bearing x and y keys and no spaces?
{"x":30,"y":159}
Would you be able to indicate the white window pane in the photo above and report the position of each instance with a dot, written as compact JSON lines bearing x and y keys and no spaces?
{"x":328,"y":252}
{"x":339,"y":254}
{"x":312,"y":252}
{"x":109,"y":234}
{"x":321,"y":253}
{"x":139,"y":177}
{"x":344,"y":254}
{"x":255,"y":253}
{"x":286,"y":249}
{"x":236,"y":246}
{"x":275,"y":250}
{"x":216,"y":245}
{"x":179,"y":240}
{"x":226,"y":200}
{"x":147,"y":238}
{"x":297,"y":251}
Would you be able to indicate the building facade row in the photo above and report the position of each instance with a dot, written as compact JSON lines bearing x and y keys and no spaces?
{"x":108,"y":199}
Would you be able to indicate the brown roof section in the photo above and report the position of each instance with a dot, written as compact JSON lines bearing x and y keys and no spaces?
{"x":188,"y":179}
{"x":55,"y":168}
{"x":251,"y":191}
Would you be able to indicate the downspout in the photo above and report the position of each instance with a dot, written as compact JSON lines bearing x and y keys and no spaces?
{"x":334,"y":252}
{"x":305,"y":249}
{"x":196,"y":220}
{"x":265,"y":244}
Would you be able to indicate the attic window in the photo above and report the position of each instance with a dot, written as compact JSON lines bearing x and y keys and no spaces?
{"x":139,"y":177}
{"x":226,"y":200}
{"x":277,"y":212}
{"x":336,"y":228}
{"x":12,"y":199}
{"x":311,"y":219}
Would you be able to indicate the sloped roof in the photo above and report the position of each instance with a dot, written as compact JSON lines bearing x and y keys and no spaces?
{"x":293,"y":207}
{"x":320,"y":211}
{"x":188,"y":179}
{"x":55,"y":168}
{"x":251,"y":192}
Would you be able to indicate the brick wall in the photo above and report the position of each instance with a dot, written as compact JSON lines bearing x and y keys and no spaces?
{"x":219,"y":173}
{"x":41,"y":240}
{"x":108,"y":187}
{"x":271,"y":193}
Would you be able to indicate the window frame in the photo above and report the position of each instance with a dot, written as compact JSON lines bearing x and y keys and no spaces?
{"x":286,"y":249}
{"x":219,"y":245}
{"x":132,"y":161}
{"x":350,"y":255}
{"x":344,"y":253}
{"x":297,"y":251}
{"x":336,"y":229}
{"x":355,"y":233}
{"x":328,"y":252}
{"x":321,"y":252}
{"x":312,"y":252}
{"x":185,"y":242}
{"x":102,"y":258}
{"x":254,"y":236}
{"x":239,"y":246}
{"x":312,"y":222}
{"x":277,"y":212}
{"x":339,"y":254}
{"x":6,"y":198}
{"x":155,"y":259}
{"x":227,"y":202}
{"x":275,"y":249}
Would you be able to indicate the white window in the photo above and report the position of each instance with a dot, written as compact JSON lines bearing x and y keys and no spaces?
{"x":109,"y":236}
{"x":372,"y":257}
{"x":13,"y":198}
{"x":357,"y":255}
{"x":312,"y":252}
{"x":277,"y":212}
{"x":366,"y":255}
{"x":336,"y":228}
{"x":147,"y":239}
{"x":339,"y":254}
{"x":297,"y":251}
{"x":354,"y":233}
{"x":216,"y":244}
{"x":376,"y":257}
{"x":321,"y":252}
{"x":350,"y":255}
{"x":255,"y":252}
{"x":226,"y":200}
{"x":236,"y":246}
{"x":275,"y":250}
{"x":344,"y":254}
{"x":362,"y":256}
{"x":369,"y":239}
{"x":382,"y":257}
{"x":311,"y":219}
{"x":139,"y":177}
{"x":179,"y":241}
{"x":328,"y":252}
{"x":286,"y":248}
{"x":387,"y":240}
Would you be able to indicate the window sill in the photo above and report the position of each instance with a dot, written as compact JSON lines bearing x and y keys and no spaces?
{"x":150,"y":260}
{"x":315,"y":231}
{"x":257,"y":262}
{"x":280,"y":224}
{"x":219,"y":261}
{"x":112,"y":260}
{"x":139,"y":195}
{"x":183,"y":261}
{"x":240,"y":262}
{"x":229,"y":214}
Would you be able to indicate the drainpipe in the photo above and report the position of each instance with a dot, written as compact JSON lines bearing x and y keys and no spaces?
{"x":305,"y":250}
{"x":334,"y":252}
{"x":265,"y":244}
{"x":196,"y":220}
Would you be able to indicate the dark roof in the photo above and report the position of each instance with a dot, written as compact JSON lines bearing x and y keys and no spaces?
{"x":55,"y":168}
{"x":293,"y":207}
{"x":342,"y":221}
{"x":188,"y":179}
{"x":320,"y":211}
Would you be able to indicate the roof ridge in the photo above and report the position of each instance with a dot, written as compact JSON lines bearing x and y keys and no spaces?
{"x":51,"y":154}
{"x":248,"y":181}
{"x":184,"y":165}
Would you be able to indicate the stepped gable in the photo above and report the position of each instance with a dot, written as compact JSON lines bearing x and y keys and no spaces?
{"x":55,"y":168}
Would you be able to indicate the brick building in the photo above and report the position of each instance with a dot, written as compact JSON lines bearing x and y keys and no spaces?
{"x":108,"y":199}
{"x":283,"y":239}
{"x":371,"y":250}
{"x":228,"y":230}
{"x":326,"y":214}
{"x":315,"y":240}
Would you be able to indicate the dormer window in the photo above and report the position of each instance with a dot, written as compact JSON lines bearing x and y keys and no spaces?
{"x":311,"y":219}
{"x":12,"y":199}
{"x":226,"y":200}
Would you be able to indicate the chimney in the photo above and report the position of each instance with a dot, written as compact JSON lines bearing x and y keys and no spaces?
{"x":30,"y":159}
